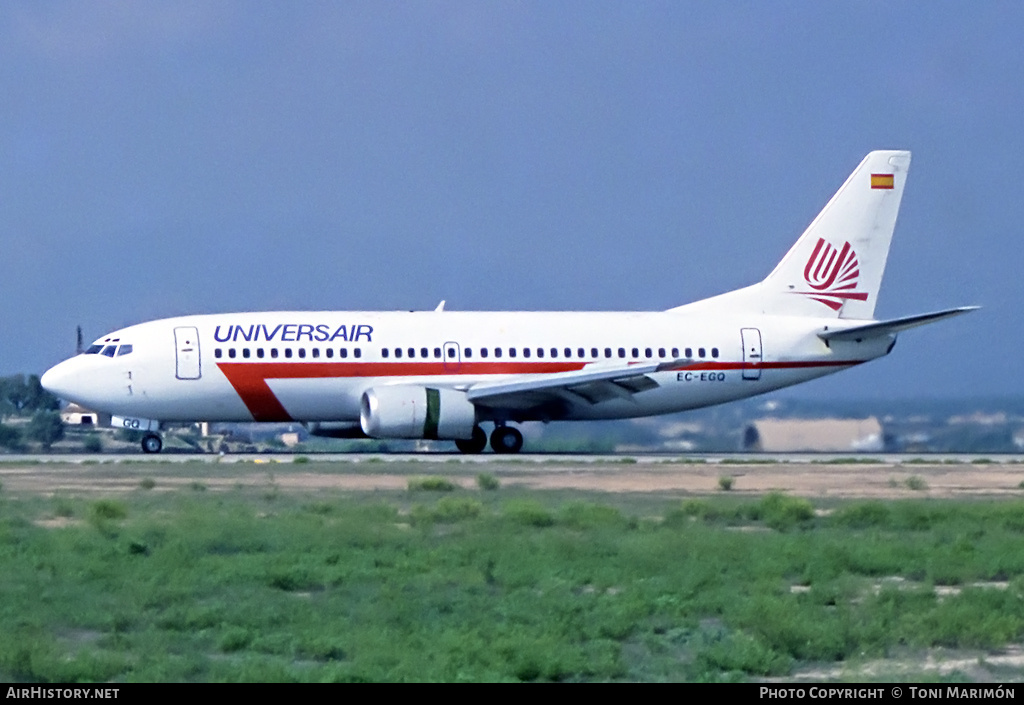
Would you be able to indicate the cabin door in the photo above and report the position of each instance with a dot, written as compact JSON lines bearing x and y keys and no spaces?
{"x":186,"y":348}
{"x":751,"y":353}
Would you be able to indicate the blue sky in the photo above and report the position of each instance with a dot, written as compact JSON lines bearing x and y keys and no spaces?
{"x":163,"y":158}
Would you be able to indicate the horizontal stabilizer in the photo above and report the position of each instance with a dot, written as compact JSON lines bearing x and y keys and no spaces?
{"x":895,"y":325}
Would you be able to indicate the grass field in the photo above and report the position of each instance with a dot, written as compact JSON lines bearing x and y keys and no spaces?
{"x":438,"y":581}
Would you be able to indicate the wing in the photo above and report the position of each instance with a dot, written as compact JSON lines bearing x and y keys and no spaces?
{"x":590,"y":385}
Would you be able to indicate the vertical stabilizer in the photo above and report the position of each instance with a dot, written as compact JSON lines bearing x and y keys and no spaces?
{"x":836,"y":267}
{"x":837,"y":264}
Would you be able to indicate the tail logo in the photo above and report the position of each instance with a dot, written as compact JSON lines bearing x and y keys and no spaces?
{"x":832,"y":275}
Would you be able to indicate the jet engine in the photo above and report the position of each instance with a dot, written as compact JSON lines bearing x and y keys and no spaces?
{"x":408,"y":411}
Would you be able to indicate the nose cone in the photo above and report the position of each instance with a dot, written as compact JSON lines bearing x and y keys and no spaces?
{"x":58,"y":380}
{"x":70,"y":380}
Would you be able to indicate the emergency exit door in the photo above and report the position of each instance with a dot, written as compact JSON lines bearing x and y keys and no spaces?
{"x":186,"y":347}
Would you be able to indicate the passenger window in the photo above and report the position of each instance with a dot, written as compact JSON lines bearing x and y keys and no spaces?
{"x":343,"y":352}
{"x":452,"y":353}
{"x":316,"y":352}
{"x":216,"y":353}
{"x":245,"y":352}
{"x":714,"y":352}
{"x":540,"y":352}
{"x":622,"y":352}
{"x":526,"y":352}
{"x":689,"y":352}
{"x":231,"y":352}
{"x":329,"y":352}
{"x":287,"y":352}
{"x":412,"y":352}
{"x":511,"y":352}
{"x":437,"y":353}
{"x":424,"y":352}
{"x":109,"y":350}
{"x":607,"y":352}
{"x":466,"y":352}
{"x":124,"y":350}
{"x":700,"y":351}
{"x":648,"y":353}
{"x":593,"y":352}
{"x":661,"y":352}
{"x":398,"y":352}
{"x":259,"y":353}
{"x":497,"y":352}
{"x":675,"y":353}
{"x":384,"y":352}
{"x":273,"y":352}
{"x":483,"y":352}
{"x":580,"y":352}
{"x":636,"y":352}
{"x":302,"y":352}
{"x":554,"y":352}
{"x":358,"y":352}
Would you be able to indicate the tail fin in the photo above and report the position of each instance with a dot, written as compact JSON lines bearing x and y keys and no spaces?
{"x":836,"y":266}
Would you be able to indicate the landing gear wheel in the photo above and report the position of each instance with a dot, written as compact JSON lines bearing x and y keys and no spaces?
{"x":476,"y":444}
{"x":506,"y":440}
{"x":151,"y":443}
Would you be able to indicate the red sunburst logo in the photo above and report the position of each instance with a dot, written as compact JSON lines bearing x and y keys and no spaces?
{"x":832,"y":274}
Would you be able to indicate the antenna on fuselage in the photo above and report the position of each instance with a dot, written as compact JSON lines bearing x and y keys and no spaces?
{"x":79,"y":347}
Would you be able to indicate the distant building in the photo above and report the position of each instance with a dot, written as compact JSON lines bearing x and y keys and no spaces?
{"x":75,"y":415}
{"x":814,"y":435}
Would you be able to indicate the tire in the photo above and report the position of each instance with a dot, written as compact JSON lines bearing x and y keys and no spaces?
{"x":506,"y":440}
{"x":151,"y":443}
{"x":474,"y":445}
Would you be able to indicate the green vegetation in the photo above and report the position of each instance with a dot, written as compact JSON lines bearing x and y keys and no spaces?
{"x":46,"y":428}
{"x":22,"y":395}
{"x":431,"y":483}
{"x":487,"y":482}
{"x":10,"y":438}
{"x":725,"y":483}
{"x":916,"y":482}
{"x":226,"y":585}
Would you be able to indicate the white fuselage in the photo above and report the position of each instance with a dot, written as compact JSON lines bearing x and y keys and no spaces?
{"x":315,"y":366}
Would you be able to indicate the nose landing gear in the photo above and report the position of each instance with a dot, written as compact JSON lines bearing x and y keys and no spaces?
{"x":151,"y":443}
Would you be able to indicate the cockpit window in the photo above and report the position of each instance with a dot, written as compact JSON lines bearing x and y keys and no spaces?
{"x":124,"y":350}
{"x":108,"y":351}
{"x":93,"y":349}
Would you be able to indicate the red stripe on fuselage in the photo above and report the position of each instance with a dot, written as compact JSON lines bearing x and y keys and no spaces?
{"x":249,"y":379}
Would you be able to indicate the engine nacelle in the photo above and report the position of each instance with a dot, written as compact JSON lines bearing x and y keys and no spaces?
{"x":407,"y":411}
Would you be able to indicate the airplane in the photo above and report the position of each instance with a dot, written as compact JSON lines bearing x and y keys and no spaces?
{"x":441,"y":374}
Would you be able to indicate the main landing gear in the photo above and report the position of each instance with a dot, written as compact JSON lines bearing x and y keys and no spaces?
{"x":505,"y":440}
{"x":473,"y":445}
{"x":151,"y":443}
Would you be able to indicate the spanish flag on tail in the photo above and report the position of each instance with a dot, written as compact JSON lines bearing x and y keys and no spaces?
{"x":882,"y":181}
